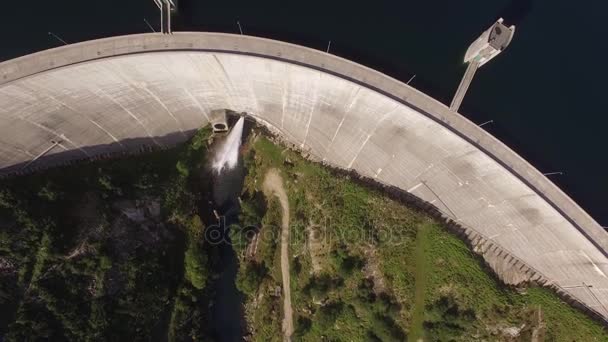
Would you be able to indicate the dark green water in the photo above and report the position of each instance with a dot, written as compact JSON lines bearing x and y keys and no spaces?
{"x":545,"y":93}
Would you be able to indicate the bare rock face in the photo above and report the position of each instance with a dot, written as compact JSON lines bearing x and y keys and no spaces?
{"x":507,"y":333}
{"x":508,"y":268}
{"x":131,"y":210}
{"x":152,"y":208}
{"x":7,"y":266}
{"x":138,"y":223}
{"x":140,"y":210}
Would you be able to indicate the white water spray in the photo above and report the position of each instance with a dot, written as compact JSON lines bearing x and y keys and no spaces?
{"x":227,"y":154}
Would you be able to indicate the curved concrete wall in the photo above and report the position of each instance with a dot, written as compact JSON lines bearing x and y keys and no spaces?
{"x":118,"y":94}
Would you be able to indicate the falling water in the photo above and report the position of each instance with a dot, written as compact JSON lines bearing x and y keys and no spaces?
{"x":228,"y":153}
{"x":227,"y":311}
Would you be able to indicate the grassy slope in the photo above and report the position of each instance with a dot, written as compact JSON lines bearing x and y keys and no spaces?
{"x":437,"y":288}
{"x":421,"y":276}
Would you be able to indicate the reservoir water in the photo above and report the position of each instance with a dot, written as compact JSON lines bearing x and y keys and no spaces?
{"x":545,"y":94}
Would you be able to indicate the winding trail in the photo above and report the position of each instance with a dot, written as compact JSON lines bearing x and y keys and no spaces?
{"x":273,"y":185}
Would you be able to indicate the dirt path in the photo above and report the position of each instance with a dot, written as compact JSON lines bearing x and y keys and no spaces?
{"x":273,"y":185}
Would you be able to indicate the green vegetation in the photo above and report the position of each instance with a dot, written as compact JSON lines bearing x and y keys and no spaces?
{"x":106,"y":250}
{"x":420,"y":281}
{"x":195,"y":260}
{"x":115,"y":250}
{"x":261,"y":274}
{"x":365,"y":267}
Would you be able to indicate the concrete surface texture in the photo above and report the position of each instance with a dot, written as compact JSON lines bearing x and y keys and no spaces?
{"x":121,"y":93}
{"x":465,"y":82}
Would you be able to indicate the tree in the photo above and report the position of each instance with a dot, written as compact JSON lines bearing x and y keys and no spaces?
{"x":303,"y":326}
{"x":250,"y":279}
{"x":196,"y":266}
{"x":49,"y":192}
{"x":182,"y":169}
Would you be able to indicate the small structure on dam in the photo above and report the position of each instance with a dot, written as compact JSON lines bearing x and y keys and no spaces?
{"x":492,"y":42}
{"x":219,"y":121}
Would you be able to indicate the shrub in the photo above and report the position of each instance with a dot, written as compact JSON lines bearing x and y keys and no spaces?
{"x":196,"y":266}
{"x":303,"y":325}
{"x":48,"y":193}
{"x":182,"y":169}
{"x":320,"y":286}
{"x":385,"y":328}
{"x":249,"y":280}
{"x":345,"y":262}
{"x":196,"y":228}
{"x":105,"y":263}
{"x":327,"y":315}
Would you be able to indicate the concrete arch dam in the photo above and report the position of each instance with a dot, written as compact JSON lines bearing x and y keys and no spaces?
{"x":118,"y":94}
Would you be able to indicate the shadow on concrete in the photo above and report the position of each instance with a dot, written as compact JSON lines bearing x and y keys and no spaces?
{"x":126,"y":147}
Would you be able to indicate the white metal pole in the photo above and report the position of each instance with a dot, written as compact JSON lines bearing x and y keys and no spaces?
{"x":150,"y":26}
{"x":57,"y":37}
{"x":553,"y":173}
{"x":168,"y":17}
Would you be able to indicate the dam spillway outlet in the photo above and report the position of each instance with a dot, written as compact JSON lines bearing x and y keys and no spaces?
{"x":219,"y":121}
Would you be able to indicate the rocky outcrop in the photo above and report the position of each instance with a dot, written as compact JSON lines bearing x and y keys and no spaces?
{"x":139,"y":210}
{"x":7,"y":266}
{"x":508,"y":268}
